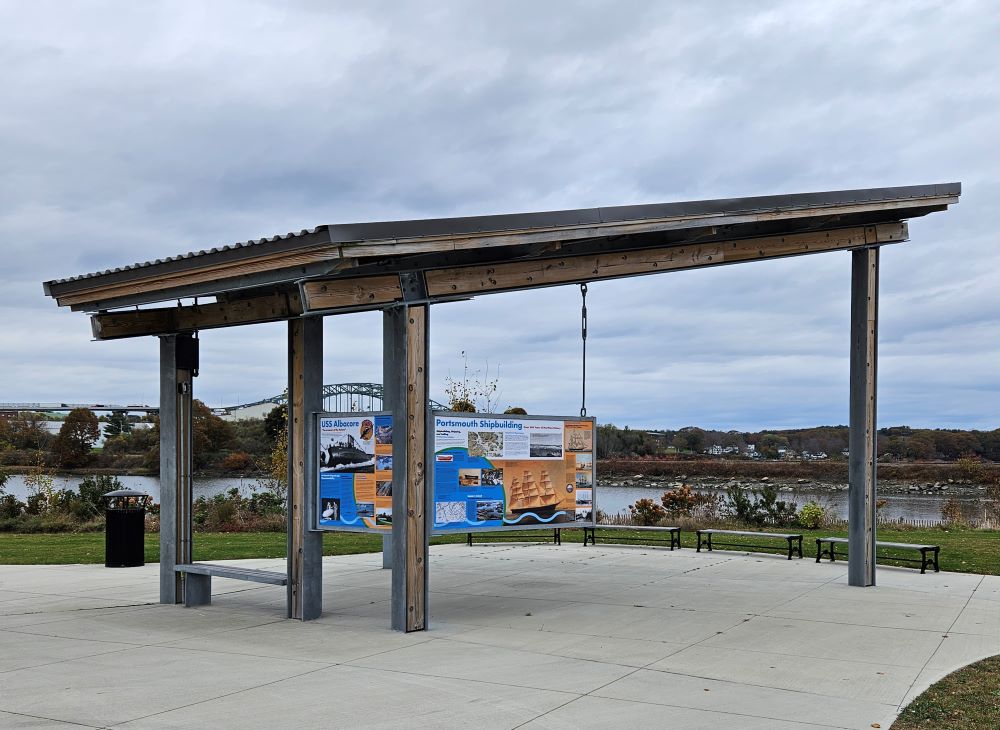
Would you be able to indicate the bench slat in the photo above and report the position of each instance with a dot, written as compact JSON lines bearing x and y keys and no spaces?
{"x":235,"y":573}
{"x":782,"y":535}
{"x":879,"y":543}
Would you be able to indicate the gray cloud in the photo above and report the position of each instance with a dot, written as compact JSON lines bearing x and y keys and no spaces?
{"x":134,"y":131}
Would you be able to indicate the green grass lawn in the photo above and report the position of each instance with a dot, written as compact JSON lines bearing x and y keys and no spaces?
{"x":968,"y":699}
{"x":964,"y":551}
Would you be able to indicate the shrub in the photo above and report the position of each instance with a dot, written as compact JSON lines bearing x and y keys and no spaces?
{"x":811,"y":516}
{"x":10,"y":507}
{"x":760,"y":507}
{"x":682,"y":502}
{"x":92,"y":490}
{"x":741,"y":507}
{"x":951,"y":512}
{"x":646,"y":512}
{"x":238,"y":461}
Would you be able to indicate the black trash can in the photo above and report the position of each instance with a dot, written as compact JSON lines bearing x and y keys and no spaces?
{"x":124,"y":528}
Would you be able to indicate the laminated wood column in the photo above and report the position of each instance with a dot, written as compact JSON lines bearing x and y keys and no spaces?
{"x":305,"y":398}
{"x":862,"y":438}
{"x":178,"y":365}
{"x":405,"y":371}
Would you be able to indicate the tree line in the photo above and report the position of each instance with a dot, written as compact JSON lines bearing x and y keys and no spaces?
{"x":900,"y":443}
{"x":130,"y":444}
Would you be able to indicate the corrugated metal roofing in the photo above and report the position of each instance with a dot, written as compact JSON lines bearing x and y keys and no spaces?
{"x":690,"y":214}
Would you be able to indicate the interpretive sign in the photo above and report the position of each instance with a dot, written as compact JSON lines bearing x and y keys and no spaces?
{"x":492,"y":472}
{"x":355,"y":471}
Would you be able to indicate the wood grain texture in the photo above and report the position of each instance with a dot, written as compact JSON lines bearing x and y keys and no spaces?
{"x":296,"y":464}
{"x":346,"y":293}
{"x":571,"y":269}
{"x":416,"y":443}
{"x":168,"y":320}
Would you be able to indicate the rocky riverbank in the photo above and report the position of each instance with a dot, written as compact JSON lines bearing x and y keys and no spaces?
{"x":952,"y":487}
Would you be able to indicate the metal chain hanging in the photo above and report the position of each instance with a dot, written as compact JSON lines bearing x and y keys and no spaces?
{"x":583,"y":335}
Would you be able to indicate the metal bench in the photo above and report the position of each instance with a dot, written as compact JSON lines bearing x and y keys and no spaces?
{"x":556,"y":537}
{"x":923,"y":562}
{"x":794,"y":540}
{"x":198,"y":579}
{"x":673,"y":534}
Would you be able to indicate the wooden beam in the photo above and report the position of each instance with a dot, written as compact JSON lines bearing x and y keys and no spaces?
{"x":416,"y":482}
{"x":169,"y":320}
{"x":343,"y":294}
{"x":374,"y":291}
{"x":572,"y":269}
{"x":405,"y":370}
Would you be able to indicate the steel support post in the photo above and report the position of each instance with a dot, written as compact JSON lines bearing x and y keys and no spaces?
{"x":305,"y":399}
{"x":175,"y":464}
{"x":862,"y":439}
{"x":405,"y":373}
{"x":387,"y":550}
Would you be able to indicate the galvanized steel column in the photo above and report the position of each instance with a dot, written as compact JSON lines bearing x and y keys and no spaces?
{"x":305,"y":399}
{"x":862,"y":440}
{"x":175,"y":468}
{"x":405,"y":384}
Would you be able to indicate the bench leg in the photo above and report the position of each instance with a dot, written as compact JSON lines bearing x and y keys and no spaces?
{"x":833,"y":552}
{"x":936,"y":551}
{"x":557,"y":536}
{"x":819,"y":549}
{"x":675,"y":538}
{"x":800,"y":547}
{"x":197,"y":590}
{"x":468,"y":539}
{"x":790,"y":540}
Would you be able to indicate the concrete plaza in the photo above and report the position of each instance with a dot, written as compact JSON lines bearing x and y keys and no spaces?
{"x":532,"y":636}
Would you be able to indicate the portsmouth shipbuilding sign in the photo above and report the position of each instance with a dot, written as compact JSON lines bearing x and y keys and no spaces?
{"x":495,"y":472}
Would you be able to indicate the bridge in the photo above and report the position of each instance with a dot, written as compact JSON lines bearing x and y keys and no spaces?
{"x":8,"y":408}
{"x":336,"y":397}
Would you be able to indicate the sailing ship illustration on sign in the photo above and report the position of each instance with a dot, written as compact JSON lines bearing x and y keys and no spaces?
{"x":528,"y":496}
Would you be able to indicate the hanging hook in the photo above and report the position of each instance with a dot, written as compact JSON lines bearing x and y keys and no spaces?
{"x":583,"y":337}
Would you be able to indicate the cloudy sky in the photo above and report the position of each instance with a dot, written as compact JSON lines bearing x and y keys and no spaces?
{"x":137,"y":130}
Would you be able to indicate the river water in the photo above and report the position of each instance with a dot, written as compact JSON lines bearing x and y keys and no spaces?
{"x":203,"y":487}
{"x":609,"y":499}
{"x":906,"y":506}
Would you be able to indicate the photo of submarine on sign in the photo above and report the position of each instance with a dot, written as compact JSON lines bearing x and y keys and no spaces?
{"x":346,"y":454}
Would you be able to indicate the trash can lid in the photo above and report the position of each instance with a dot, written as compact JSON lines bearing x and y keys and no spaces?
{"x":126,"y":493}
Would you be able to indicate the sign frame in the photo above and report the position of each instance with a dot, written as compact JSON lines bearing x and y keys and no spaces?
{"x":349,"y":415}
{"x":458,"y":528}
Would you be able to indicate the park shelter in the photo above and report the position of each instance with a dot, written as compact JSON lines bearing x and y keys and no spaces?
{"x":403,"y":268}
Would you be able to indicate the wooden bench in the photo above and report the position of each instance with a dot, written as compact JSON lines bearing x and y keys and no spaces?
{"x":198,"y":579}
{"x":673,"y":534}
{"x":794,"y":540}
{"x":923,"y":561}
{"x":556,"y":537}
